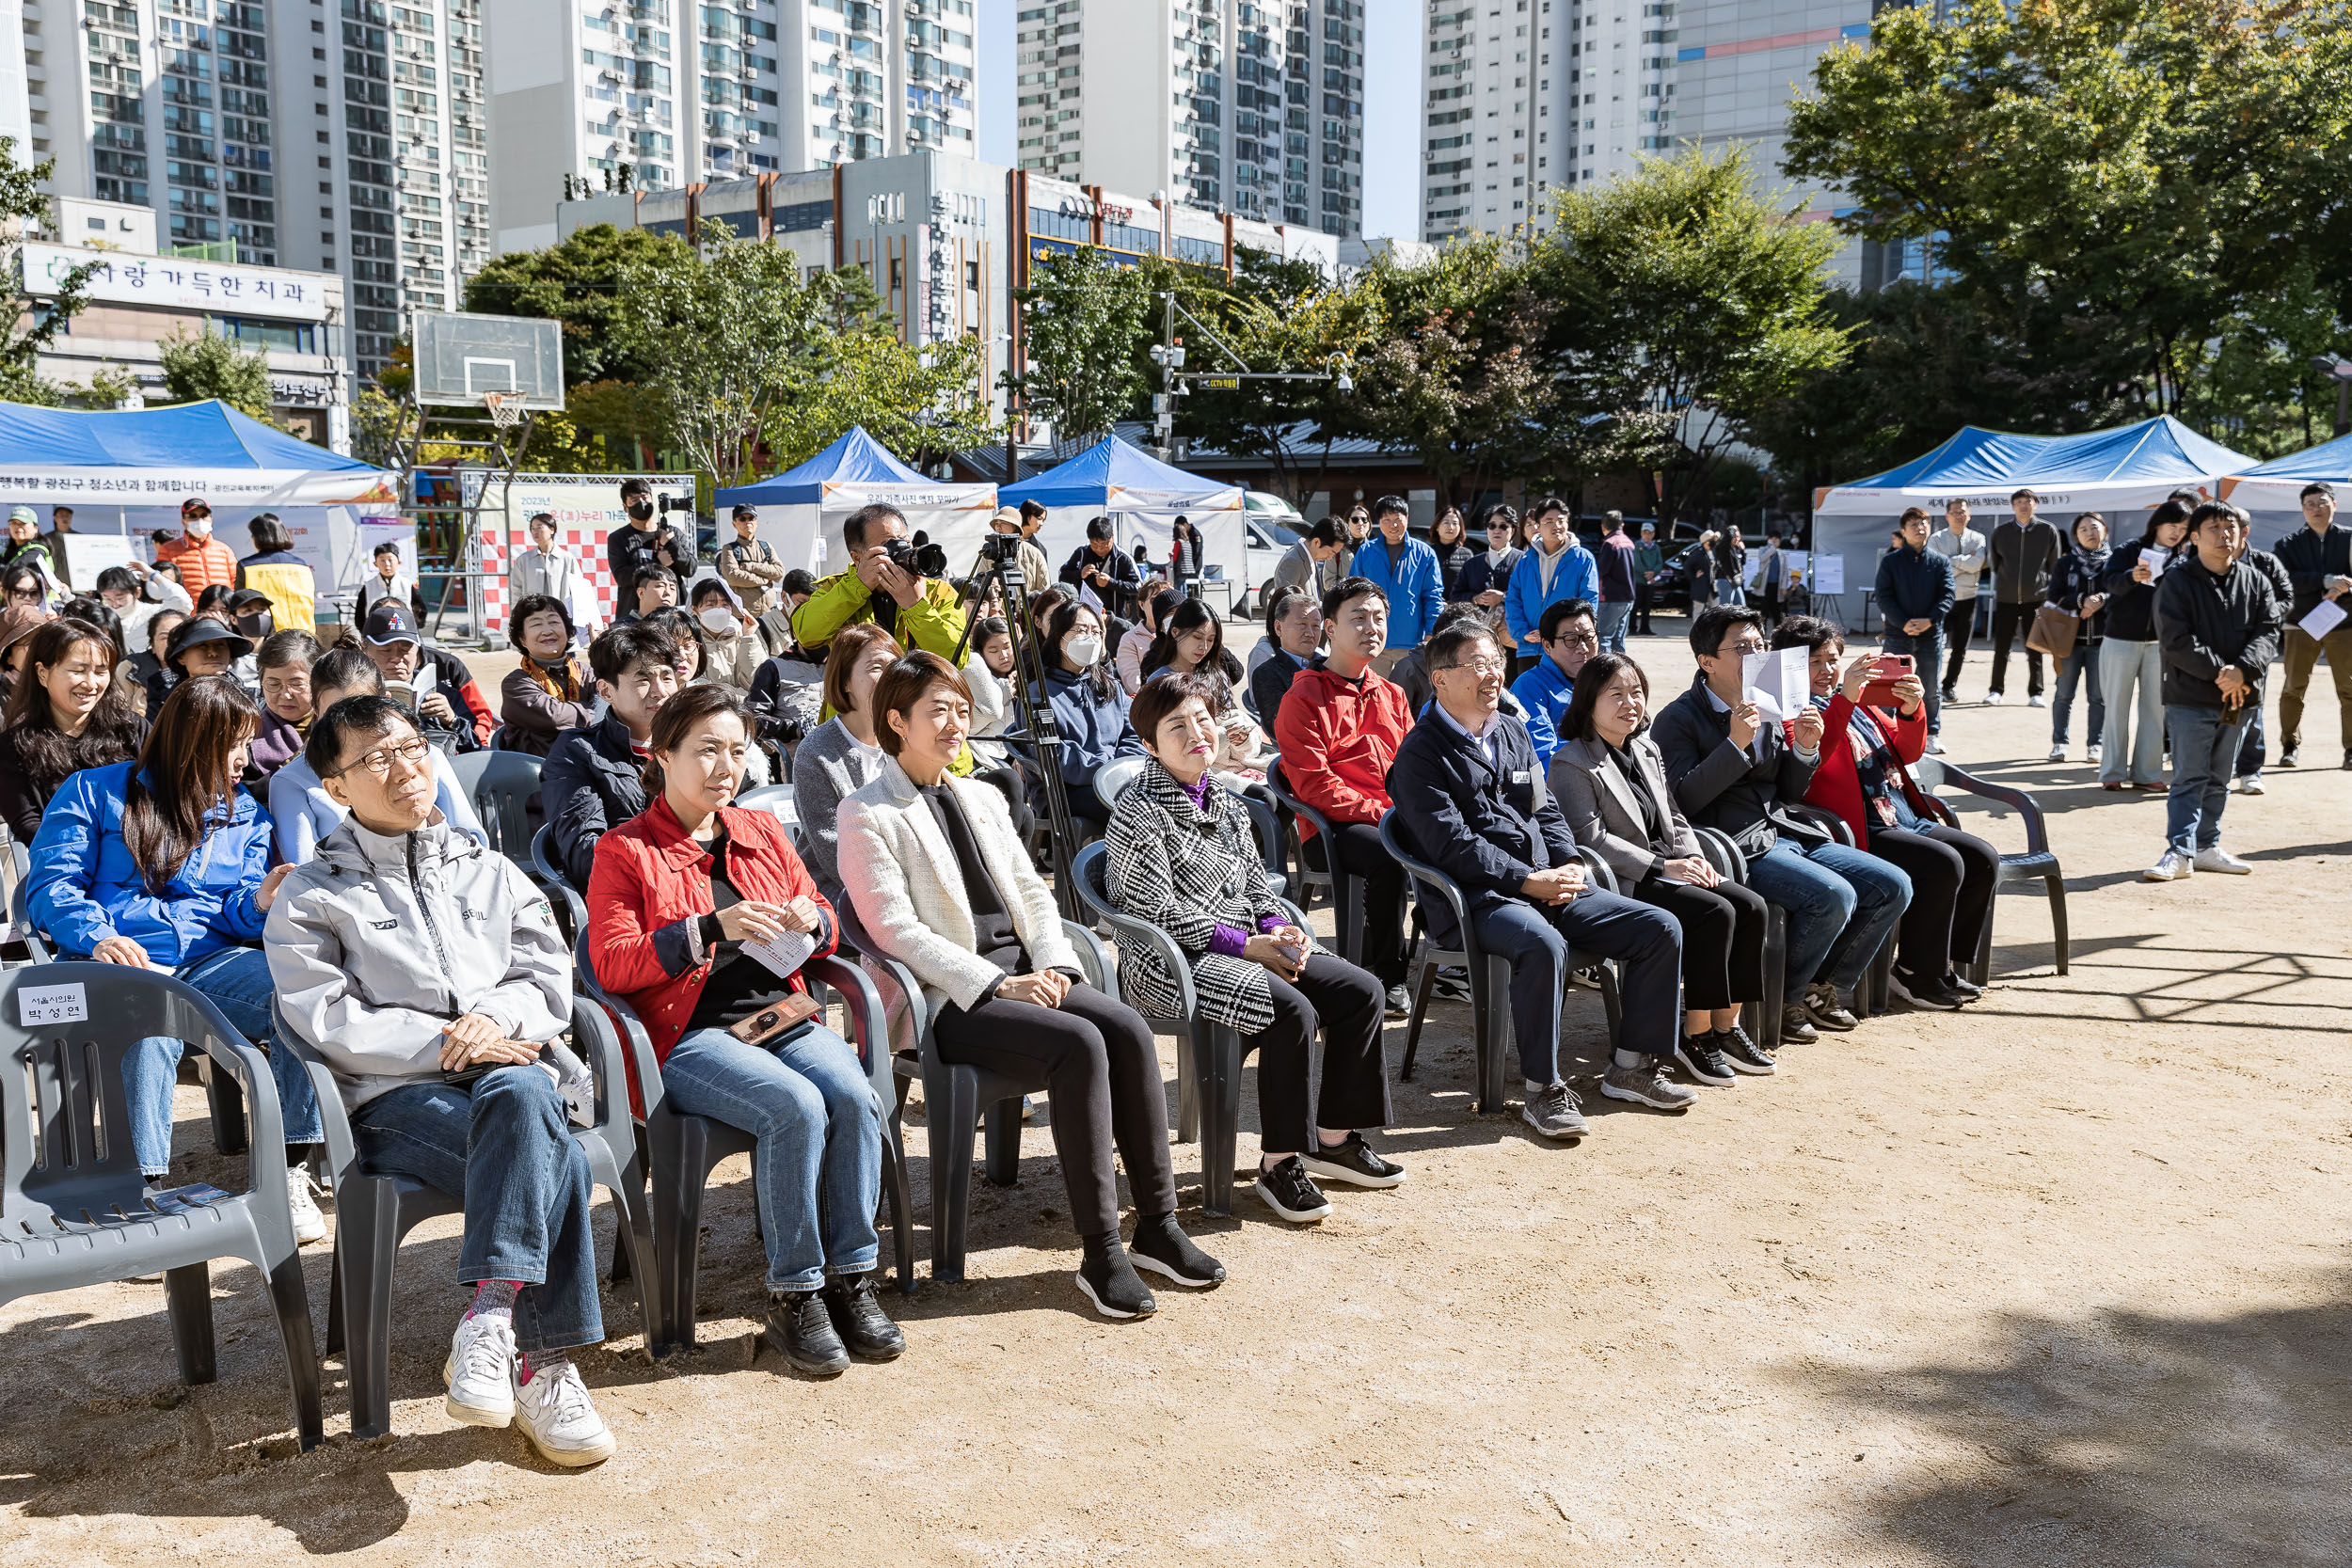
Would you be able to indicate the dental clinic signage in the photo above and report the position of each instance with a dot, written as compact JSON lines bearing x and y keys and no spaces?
{"x":174,"y":283}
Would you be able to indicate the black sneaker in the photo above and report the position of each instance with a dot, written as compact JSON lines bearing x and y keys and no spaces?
{"x":1823,"y":1007}
{"x":1703,"y":1059}
{"x":1927,"y":995}
{"x":1291,"y":1192}
{"x":2347,"y":759}
{"x":1967,"y":991}
{"x":1796,"y":1026}
{"x":1110,"y":1281}
{"x":858,"y":1317}
{"x":1399,"y":1004}
{"x":801,"y":1330}
{"x":1452,"y":985}
{"x":1742,"y":1053}
{"x":1353,"y":1162}
{"x":1162,"y":1247}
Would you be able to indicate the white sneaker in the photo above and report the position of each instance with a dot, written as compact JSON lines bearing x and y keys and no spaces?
{"x":480,"y":1371}
{"x":2251,"y":784}
{"x":1993,"y":699}
{"x":2218,"y":859}
{"x":2057,"y":754}
{"x":1936,"y":745}
{"x":2172,"y":868}
{"x":560,"y":1421}
{"x":2036,"y":702}
{"x":2091,"y":755}
{"x":309,"y":1224}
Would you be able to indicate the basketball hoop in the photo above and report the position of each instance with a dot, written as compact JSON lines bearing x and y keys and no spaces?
{"x":506,"y":408}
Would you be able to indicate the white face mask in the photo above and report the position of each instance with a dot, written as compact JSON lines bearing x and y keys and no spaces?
{"x":198,"y":527}
{"x":1083,"y":651}
{"x":718,"y":618}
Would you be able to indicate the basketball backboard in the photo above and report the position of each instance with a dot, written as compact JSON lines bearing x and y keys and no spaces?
{"x":459,"y":356}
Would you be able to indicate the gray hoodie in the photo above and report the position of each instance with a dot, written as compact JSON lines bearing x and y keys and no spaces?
{"x":377,"y":944}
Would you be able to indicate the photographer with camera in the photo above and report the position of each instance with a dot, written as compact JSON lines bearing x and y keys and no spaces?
{"x":898,"y":586}
{"x":649,"y":540}
{"x":1101,"y":565}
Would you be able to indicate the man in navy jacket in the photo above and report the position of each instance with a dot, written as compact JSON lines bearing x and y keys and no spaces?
{"x":1914,"y":596}
{"x":1469,"y":800}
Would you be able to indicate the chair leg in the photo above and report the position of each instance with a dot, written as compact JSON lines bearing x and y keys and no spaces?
{"x":1347,"y":914}
{"x":1004,"y":1144}
{"x":1493,"y":1041}
{"x":227,"y":1104}
{"x":1613,"y":1004}
{"x":1775,"y":975}
{"x":188,"y":1297}
{"x":2057,"y":884}
{"x":1188,"y":1088}
{"x":375,"y":1218}
{"x":1218,"y":1056}
{"x":291,"y":1300}
{"x":951,"y":1101}
{"x":1424,"y":981}
{"x":632,"y":1243}
{"x":689,"y":1169}
{"x":334,"y":1345}
{"x":1880,"y":979}
{"x":901,"y":1198}
{"x":1984,"y":966}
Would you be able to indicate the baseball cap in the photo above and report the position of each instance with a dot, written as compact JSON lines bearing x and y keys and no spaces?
{"x":390,"y":622}
{"x":194,"y":505}
{"x":241,"y":597}
{"x":23,"y":515}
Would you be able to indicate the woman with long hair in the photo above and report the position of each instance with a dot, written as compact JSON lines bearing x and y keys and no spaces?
{"x":1089,"y":709}
{"x":943,"y":884}
{"x":68,"y":713}
{"x":1192,"y":641}
{"x":548,"y":692}
{"x":677,"y":893}
{"x":1183,"y":554}
{"x":1449,"y":538}
{"x":841,"y":754}
{"x":163,"y":862}
{"x":2131,"y":665}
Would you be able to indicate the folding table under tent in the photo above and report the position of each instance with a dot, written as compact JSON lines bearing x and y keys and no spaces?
{"x":1143,"y":496}
{"x":2120,"y":473}
{"x":2272,"y":491}
{"x":127,"y":472}
{"x":801,"y":509}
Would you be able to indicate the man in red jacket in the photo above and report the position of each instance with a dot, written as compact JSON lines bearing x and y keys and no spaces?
{"x":1339,"y":727}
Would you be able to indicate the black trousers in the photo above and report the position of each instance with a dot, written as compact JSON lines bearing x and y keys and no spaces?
{"x":1361,"y":855}
{"x":1354,"y":1092}
{"x":1645,"y":594}
{"x":1768,"y":603}
{"x":1959,"y":627}
{"x":1096,"y":1055}
{"x":1722,"y":940}
{"x":2006,"y":620}
{"x":1951,"y":893}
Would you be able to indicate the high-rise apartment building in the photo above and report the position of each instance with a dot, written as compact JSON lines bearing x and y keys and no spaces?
{"x":1251,"y":108}
{"x":1522,"y":96}
{"x":685,"y":93}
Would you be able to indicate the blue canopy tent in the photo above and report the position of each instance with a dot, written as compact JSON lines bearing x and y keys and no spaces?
{"x":1143,"y":496}
{"x":2120,"y":473}
{"x":2272,"y":491}
{"x":801,"y":509}
{"x":125,"y":474}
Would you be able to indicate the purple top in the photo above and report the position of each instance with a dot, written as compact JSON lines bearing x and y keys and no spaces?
{"x":1227,"y":940}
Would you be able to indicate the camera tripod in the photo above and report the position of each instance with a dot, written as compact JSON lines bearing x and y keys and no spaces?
{"x":999,"y":562}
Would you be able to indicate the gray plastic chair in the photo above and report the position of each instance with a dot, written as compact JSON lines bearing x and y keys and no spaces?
{"x":1763,"y":1016}
{"x":1209,"y":1055}
{"x":777,"y":799}
{"x":372,"y":1214}
{"x":1112,"y":779}
{"x":504,"y":786}
{"x":2037,"y":864}
{"x":571,"y":911}
{"x":955,"y":1094}
{"x":74,"y":1210}
{"x":1489,"y":974}
{"x":1346,"y":892}
{"x":682,"y":1149}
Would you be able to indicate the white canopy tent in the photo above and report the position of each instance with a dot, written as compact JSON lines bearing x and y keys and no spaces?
{"x":802,"y":510}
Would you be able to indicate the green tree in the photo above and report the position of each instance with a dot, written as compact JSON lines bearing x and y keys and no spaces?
{"x":2150,"y":169}
{"x":31,"y":325}
{"x":1085,"y":323}
{"x":379,"y":427}
{"x":923,"y":403}
{"x":1680,"y":295}
{"x":578,"y":282}
{"x":203,"y":364}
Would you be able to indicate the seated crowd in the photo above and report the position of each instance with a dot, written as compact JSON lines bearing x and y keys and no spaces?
{"x":1580,"y":821}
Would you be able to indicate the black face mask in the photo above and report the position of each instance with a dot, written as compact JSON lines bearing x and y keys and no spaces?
{"x":641,"y":510}
{"x":254,"y":626}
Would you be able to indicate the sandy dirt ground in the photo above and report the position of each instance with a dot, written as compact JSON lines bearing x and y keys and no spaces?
{"x":2059,"y":1281}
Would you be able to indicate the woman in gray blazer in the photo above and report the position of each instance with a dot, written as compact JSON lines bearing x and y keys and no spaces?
{"x":1611,"y":787}
{"x":842,"y":755}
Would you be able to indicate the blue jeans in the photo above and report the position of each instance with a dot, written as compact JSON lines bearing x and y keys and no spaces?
{"x":505,"y":1147}
{"x":2205,"y":749}
{"x":2255,"y":749}
{"x":1841,"y":903}
{"x":2079,"y":668}
{"x":1727,"y":591}
{"x":818,"y":1169}
{"x":1535,"y":940}
{"x":1927,"y":656}
{"x":1608,"y":621}
{"x":236,"y":980}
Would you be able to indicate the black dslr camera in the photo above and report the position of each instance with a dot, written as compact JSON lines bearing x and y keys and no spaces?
{"x":924,"y":560}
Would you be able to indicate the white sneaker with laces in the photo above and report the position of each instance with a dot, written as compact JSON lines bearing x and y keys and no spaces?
{"x":2091,"y":755}
{"x":2172,"y":868}
{"x":2057,"y":754}
{"x":309,"y":1224}
{"x":1993,"y":699}
{"x":555,"y":1414}
{"x":2251,"y":784}
{"x":480,"y":1371}
{"x":2218,"y":859}
{"x":1936,"y":745}
{"x":2036,"y":702}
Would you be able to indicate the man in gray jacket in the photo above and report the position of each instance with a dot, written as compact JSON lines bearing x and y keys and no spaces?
{"x":2025,"y":550}
{"x":427,"y":974}
{"x":1966,"y":548}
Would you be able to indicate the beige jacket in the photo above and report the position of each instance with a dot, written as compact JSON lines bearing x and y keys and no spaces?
{"x":903,"y":878}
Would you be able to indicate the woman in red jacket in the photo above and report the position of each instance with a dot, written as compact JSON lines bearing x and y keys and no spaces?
{"x":700,"y":916}
{"x":1865,"y":778}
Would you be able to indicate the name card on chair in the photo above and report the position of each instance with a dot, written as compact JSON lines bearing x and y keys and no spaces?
{"x":40,"y":1005}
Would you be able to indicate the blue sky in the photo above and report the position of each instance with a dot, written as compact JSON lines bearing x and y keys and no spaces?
{"x":1393,"y":95}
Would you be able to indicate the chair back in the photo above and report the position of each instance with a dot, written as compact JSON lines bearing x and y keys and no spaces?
{"x":635,"y":1047}
{"x":466,"y":767}
{"x":1431,"y":878}
{"x":20,"y":916}
{"x":777,"y":801}
{"x":1112,"y":779}
{"x":65,"y":1119}
{"x":503,"y":788}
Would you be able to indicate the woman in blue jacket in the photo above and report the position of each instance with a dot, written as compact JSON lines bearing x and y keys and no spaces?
{"x":163,"y":862}
{"x":1089,"y":709}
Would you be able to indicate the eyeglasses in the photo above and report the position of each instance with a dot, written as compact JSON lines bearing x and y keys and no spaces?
{"x":1481,"y":667}
{"x":1748,"y":645}
{"x":379,"y":762}
{"x":1579,"y":639}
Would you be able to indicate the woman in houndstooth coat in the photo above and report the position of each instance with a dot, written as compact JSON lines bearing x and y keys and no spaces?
{"x":1182,"y":856}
